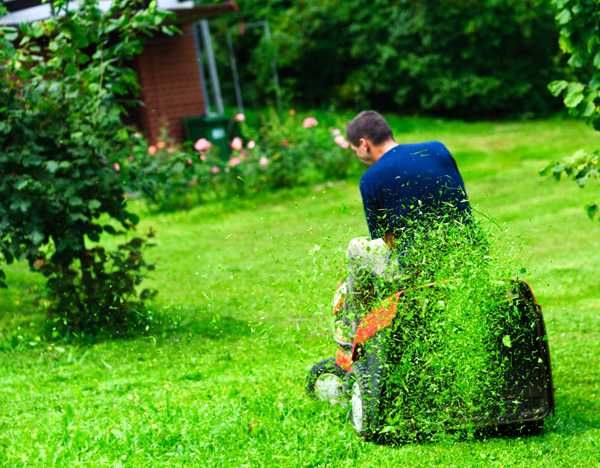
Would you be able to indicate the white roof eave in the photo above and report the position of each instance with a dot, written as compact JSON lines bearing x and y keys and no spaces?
{"x":42,"y":12}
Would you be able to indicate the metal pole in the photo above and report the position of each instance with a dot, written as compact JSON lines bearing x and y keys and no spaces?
{"x":267,"y":34}
{"x":274,"y":67}
{"x":212,"y":66}
{"x":195,"y":32}
{"x":236,"y":77}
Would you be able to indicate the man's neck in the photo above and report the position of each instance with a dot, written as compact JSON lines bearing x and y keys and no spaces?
{"x":378,"y":151}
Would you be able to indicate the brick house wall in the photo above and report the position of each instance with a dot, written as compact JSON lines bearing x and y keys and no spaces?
{"x":170,"y":84}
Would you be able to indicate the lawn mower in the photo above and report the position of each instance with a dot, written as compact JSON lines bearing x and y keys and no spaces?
{"x":357,"y":375}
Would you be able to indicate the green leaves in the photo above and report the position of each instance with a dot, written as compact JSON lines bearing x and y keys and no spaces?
{"x":574,"y":95}
{"x":574,"y":92}
{"x":21,"y":184}
{"x":37,"y":237}
{"x":597,"y":60}
{"x":94,"y":204}
{"x":52,"y":166}
{"x":579,"y":23}
{"x":20,"y":204}
{"x":557,"y":87}
{"x":581,"y":167}
{"x":564,"y":17}
{"x":10,"y":34}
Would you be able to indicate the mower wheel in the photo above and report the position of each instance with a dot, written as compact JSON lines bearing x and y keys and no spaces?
{"x":326,"y":380}
{"x":366,"y":381}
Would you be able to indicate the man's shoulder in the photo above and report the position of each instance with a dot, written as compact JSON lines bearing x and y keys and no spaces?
{"x":396,"y":162}
{"x":434,"y":146}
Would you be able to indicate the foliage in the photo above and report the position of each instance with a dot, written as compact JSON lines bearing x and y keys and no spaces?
{"x":282,"y":152}
{"x":162,"y":173}
{"x":456,"y":58}
{"x":582,"y":167}
{"x":579,"y":25}
{"x":63,"y":85}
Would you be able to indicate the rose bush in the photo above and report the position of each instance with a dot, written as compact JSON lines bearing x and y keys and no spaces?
{"x":282,"y":152}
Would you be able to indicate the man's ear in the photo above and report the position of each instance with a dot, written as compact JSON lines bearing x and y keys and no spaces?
{"x":367,"y":145}
{"x":364,"y":142}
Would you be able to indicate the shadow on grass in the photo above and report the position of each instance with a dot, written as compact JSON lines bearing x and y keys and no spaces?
{"x":199,"y":323}
{"x":28,"y":329}
{"x":574,"y":415}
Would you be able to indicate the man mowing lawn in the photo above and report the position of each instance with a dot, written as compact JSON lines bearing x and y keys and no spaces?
{"x":403,"y":183}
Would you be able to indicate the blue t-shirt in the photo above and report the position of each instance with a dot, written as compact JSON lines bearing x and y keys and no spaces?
{"x":409,"y":180}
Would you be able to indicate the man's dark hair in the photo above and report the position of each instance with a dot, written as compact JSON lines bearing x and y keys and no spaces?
{"x":370,"y":125}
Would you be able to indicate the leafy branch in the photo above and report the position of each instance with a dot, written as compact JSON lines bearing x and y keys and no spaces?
{"x":579,"y":23}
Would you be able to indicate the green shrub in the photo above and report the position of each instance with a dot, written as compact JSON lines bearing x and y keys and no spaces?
{"x":62,"y":85}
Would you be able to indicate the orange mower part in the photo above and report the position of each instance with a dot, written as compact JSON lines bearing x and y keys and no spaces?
{"x":376,"y":320}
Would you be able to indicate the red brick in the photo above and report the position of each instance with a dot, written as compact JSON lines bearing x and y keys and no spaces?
{"x":170,"y":84}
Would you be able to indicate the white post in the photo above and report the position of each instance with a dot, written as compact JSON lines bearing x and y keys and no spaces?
{"x":206,"y":97}
{"x":212,"y":66}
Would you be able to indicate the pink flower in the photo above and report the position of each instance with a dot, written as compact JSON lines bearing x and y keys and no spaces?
{"x":152,"y":150}
{"x":237,"y":144}
{"x":215,"y":170}
{"x":309,"y":122}
{"x":263,"y":161}
{"x":202,"y":157}
{"x":161,"y":145}
{"x":234,"y":162}
{"x":341,"y":142}
{"x":239,"y":117}
{"x":188,"y":161}
{"x":202,"y":145}
{"x":251,"y":144}
{"x":116,"y":167}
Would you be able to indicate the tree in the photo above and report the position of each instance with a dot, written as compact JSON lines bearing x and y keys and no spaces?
{"x":63,"y":82}
{"x":579,"y":25}
{"x":461,"y":58}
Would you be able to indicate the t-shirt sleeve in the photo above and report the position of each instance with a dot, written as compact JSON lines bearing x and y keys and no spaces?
{"x":370,"y":206}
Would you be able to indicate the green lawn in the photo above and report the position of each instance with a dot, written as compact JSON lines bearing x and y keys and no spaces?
{"x":249,"y":286}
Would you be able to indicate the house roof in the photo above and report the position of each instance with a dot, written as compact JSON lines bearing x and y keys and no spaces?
{"x":26,"y":11}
